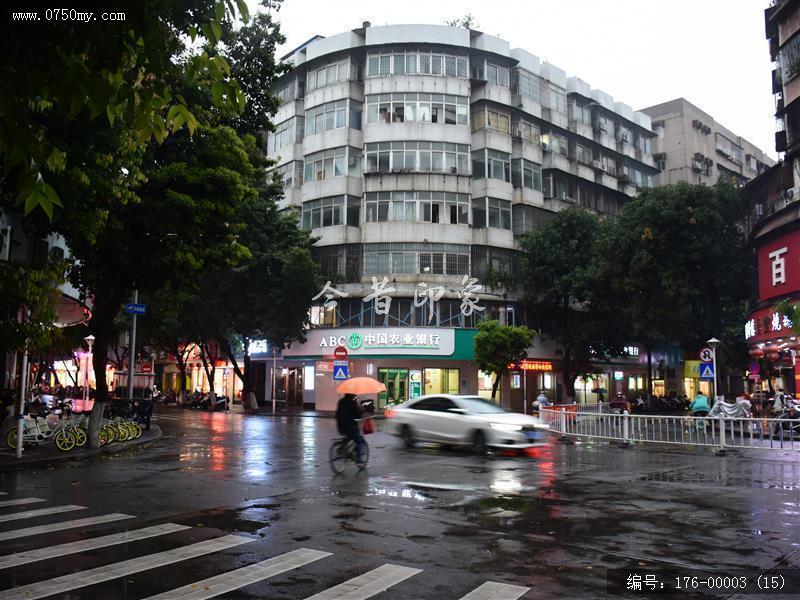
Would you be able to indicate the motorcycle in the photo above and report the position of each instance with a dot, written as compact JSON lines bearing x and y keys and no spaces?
{"x":196,"y":400}
{"x":789,"y":421}
{"x":219,"y":402}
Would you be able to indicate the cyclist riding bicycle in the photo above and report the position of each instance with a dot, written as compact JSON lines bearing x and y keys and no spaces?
{"x":347,"y":411}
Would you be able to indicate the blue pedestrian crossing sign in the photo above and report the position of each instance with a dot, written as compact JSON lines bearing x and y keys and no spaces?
{"x":706,"y":370}
{"x":340,"y":370}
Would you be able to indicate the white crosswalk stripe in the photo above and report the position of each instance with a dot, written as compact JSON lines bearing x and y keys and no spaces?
{"x":41,"y":512}
{"x":367,"y":585}
{"x":491,"y":590}
{"x":54,"y":527}
{"x":23,"y":558}
{"x":20,"y":501}
{"x":233,"y":580}
{"x":65,"y":583}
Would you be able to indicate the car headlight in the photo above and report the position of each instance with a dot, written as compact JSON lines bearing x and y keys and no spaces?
{"x":505,"y":427}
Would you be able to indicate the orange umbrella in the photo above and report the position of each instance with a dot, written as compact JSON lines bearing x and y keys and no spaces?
{"x":361,"y":385}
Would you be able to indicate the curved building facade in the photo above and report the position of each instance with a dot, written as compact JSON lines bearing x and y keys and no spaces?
{"x":418,"y":154}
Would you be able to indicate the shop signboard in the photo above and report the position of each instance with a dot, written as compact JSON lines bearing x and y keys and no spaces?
{"x":765,"y":324}
{"x":779,"y":266}
{"x":371,"y":341}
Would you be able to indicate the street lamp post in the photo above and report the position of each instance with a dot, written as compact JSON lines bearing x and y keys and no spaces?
{"x":714,"y":342}
{"x":89,"y":339}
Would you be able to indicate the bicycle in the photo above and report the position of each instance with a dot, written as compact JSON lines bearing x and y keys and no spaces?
{"x":343,"y":451}
{"x":36,"y":430}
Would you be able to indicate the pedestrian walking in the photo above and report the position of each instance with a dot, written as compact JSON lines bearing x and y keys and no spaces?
{"x":700,"y":406}
{"x":146,"y":411}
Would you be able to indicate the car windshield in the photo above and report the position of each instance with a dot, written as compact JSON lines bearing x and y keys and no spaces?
{"x":479,"y":406}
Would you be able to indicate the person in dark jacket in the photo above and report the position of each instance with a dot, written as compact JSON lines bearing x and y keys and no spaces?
{"x":146,"y":411}
{"x":347,"y":411}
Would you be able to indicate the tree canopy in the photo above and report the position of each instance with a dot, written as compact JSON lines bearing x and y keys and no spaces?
{"x":499,"y":346}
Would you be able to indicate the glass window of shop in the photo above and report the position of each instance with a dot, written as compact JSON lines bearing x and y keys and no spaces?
{"x":588,"y":390}
{"x":396,"y":382}
{"x":441,"y":381}
{"x":485,"y":382}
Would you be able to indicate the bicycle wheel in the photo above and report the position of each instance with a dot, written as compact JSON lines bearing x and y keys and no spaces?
{"x":137,"y":430}
{"x":111,"y":434}
{"x":65,"y":440}
{"x":103,"y":437}
{"x":122,"y":432}
{"x":11,"y":438}
{"x":80,"y":436}
{"x":337,"y":457}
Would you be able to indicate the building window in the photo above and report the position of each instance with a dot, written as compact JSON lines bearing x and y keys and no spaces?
{"x":497,"y":74}
{"x":789,"y":59}
{"x":491,"y":212}
{"x":526,"y":130}
{"x":424,"y":108}
{"x":332,"y":163}
{"x":729,"y":150}
{"x":555,"y":142}
{"x":553,"y":97}
{"x":525,"y":173}
{"x":409,"y":258}
{"x":290,"y":174}
{"x":426,"y":157}
{"x":323,"y":212}
{"x":413,"y":62}
{"x":282,"y":136}
{"x":287,"y":93}
{"x":580,"y":113}
{"x":333,"y":115}
{"x":525,"y":84}
{"x":330,"y":74}
{"x":498,"y":165}
{"x":430,"y":207}
{"x":498,"y":121}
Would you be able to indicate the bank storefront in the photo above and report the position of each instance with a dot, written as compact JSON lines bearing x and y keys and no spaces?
{"x":410,"y":361}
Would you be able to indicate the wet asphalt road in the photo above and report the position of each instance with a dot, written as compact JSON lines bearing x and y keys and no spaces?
{"x":553,"y":521}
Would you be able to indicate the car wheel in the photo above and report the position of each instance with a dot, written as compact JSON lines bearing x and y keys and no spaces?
{"x":479,"y":445}
{"x":408,"y":436}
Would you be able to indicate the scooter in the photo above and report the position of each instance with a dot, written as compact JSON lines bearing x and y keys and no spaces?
{"x":789,"y":421}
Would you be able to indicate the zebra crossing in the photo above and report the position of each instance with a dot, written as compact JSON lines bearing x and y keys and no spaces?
{"x":361,"y":587}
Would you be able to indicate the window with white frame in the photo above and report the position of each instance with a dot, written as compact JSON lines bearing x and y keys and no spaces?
{"x":525,"y":84}
{"x":333,"y":115}
{"x":526,"y":130}
{"x":411,"y":107}
{"x":332,"y":163}
{"x":553,"y":96}
{"x":428,"y":207}
{"x":555,"y":142}
{"x":287,"y":92}
{"x":329,"y":74}
{"x":323,"y":212}
{"x":496,"y":74}
{"x":526,"y":174}
{"x":491,"y":212}
{"x":416,"y":62}
{"x":426,"y":157}
{"x":580,"y":113}
{"x":283,"y":136}
{"x":498,"y":165}
{"x":290,"y":174}
{"x":729,"y":149}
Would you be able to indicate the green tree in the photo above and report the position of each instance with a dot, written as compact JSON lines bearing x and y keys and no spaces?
{"x":562,"y":294}
{"x":120,"y":75}
{"x":271,"y":290}
{"x":466,"y":22}
{"x":498,"y":346}
{"x":678,"y":262}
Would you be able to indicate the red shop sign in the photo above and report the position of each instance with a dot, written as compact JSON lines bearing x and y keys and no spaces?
{"x":779,"y":266}
{"x":765,"y":324}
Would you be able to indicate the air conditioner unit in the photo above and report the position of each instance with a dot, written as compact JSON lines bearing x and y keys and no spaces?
{"x":624,"y":138}
{"x":518,"y":134}
{"x":602,"y":126}
{"x":564,"y":196}
{"x":792,"y":194}
{"x":546,"y":147}
{"x":453,"y":170}
{"x":597,"y":164}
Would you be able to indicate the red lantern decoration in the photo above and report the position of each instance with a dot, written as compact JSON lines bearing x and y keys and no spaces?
{"x":756,"y":353}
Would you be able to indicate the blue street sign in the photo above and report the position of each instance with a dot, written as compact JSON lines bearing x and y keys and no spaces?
{"x":135,"y":309}
{"x":706,"y":371}
{"x":340,"y":368}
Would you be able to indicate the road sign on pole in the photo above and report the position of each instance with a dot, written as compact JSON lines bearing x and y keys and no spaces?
{"x":340,"y":353}
{"x":707,"y":371}
{"x":135,"y":309}
{"x":340,"y":368}
{"x":706,"y":355}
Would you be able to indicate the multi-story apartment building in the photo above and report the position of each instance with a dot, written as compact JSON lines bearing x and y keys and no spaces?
{"x":691,"y":146}
{"x":419,"y":154}
{"x":773,"y":220}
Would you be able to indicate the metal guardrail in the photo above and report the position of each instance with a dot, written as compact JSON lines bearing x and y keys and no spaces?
{"x":591,"y":421}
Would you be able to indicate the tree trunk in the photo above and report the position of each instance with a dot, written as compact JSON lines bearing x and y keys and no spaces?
{"x":649,"y":375}
{"x":181,"y":378}
{"x":568,"y":376}
{"x":101,"y":396}
{"x":205,"y":356}
{"x":496,"y":385}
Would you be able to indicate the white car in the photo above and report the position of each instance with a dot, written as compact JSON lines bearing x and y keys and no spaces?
{"x":463,"y":421}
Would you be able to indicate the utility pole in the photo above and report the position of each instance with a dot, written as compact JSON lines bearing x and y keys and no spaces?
{"x":132,"y":357}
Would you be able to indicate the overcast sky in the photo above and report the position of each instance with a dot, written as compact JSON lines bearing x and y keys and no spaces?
{"x":642,"y":52}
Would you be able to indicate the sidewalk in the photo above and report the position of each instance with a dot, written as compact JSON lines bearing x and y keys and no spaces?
{"x":47,"y":453}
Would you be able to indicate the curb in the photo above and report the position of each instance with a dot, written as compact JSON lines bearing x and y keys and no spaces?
{"x":114,"y":448}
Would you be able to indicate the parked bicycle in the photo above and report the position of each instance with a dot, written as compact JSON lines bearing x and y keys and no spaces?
{"x":36,"y":429}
